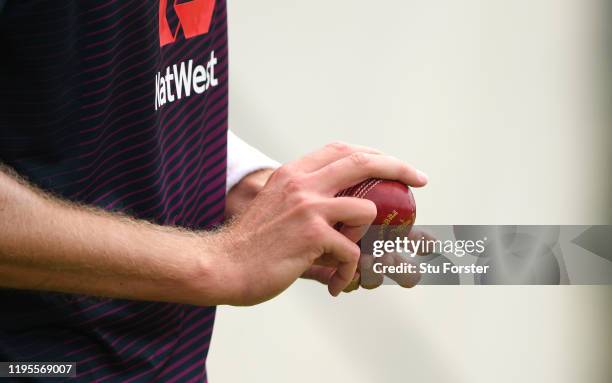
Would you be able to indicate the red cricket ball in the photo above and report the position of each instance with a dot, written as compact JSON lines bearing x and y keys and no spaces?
{"x":396,"y":209}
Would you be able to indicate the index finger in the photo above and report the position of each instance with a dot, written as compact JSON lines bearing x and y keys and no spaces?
{"x":328,"y":154}
{"x":351,"y":170}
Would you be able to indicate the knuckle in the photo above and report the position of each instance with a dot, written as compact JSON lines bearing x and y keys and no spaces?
{"x":360,"y":159}
{"x":313,"y":232}
{"x":283,"y":172}
{"x":355,"y":253}
{"x":304,"y":204}
{"x":338,"y":146}
{"x":294,"y":186}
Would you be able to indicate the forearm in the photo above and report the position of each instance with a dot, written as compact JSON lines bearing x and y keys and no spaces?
{"x":48,"y":244}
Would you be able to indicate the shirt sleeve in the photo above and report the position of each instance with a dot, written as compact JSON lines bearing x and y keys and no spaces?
{"x":243,"y":159}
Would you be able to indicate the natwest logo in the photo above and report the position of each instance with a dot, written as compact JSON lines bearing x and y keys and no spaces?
{"x":194,"y":19}
{"x":180,"y":81}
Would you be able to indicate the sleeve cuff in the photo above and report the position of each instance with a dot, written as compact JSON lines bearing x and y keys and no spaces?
{"x":243,"y":159}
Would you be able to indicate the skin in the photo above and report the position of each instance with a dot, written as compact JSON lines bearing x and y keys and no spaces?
{"x":282,"y":230}
{"x":245,"y":191}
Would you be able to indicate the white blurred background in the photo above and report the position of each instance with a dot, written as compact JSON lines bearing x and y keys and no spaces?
{"x":505,"y":105}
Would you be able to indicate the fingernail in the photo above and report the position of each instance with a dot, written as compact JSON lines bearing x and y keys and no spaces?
{"x":422,"y":177}
{"x":331,"y":292}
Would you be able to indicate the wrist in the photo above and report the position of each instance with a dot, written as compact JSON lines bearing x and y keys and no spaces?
{"x":214,"y":276}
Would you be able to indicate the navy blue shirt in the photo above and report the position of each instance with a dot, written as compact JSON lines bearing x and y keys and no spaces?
{"x":121,"y":104}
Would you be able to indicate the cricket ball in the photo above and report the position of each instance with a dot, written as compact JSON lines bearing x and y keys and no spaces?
{"x":395,"y":206}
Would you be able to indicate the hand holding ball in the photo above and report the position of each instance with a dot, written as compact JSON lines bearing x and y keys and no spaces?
{"x":395,"y":205}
